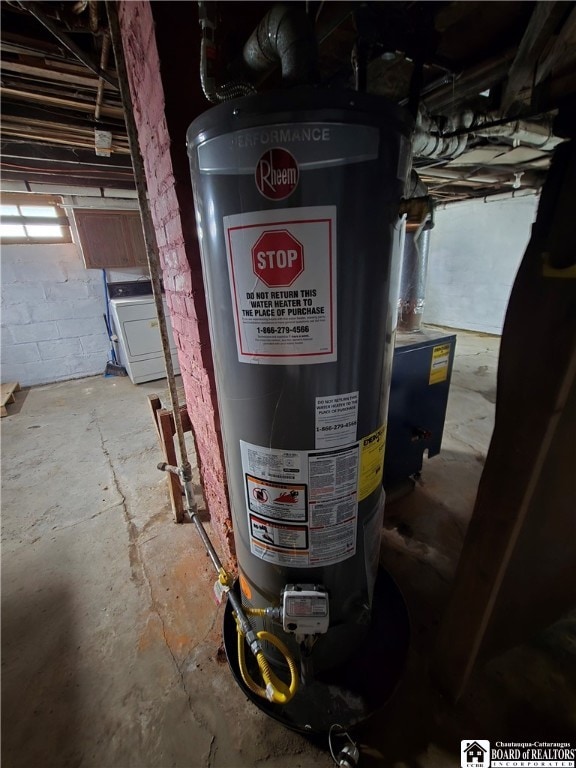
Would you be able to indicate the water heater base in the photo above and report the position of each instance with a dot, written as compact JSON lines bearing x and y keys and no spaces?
{"x":350,"y":693}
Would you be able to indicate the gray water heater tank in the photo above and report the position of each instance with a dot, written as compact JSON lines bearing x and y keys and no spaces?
{"x":297,"y":195}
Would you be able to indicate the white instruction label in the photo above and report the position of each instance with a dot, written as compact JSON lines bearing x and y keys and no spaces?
{"x":302,"y":505}
{"x":282,"y":270}
{"x":336,"y":420}
{"x":333,"y":489}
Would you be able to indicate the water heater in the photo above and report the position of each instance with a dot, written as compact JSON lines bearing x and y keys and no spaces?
{"x":297,"y":196}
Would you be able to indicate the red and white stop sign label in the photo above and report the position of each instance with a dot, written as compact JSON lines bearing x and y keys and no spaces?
{"x":277,"y":174}
{"x":277,"y":258}
{"x":282,"y":272}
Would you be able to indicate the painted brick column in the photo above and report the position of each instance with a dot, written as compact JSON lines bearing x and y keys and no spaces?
{"x":161,"y":48}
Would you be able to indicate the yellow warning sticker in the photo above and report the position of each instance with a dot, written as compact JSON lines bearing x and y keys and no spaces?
{"x":439,"y":365}
{"x":371,"y":462}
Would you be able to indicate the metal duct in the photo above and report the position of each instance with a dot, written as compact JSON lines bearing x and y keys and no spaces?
{"x":285,"y":36}
{"x":537,"y":135}
{"x":414,"y":264}
{"x":449,"y":139}
{"x":413,"y":279}
{"x":428,"y":141}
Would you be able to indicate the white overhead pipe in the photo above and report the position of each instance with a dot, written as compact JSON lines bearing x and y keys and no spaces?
{"x":448,"y":138}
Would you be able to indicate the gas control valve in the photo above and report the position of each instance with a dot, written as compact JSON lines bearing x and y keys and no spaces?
{"x":305,"y":609}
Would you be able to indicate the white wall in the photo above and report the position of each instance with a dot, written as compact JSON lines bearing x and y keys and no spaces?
{"x":52,"y":307}
{"x":475,"y":250}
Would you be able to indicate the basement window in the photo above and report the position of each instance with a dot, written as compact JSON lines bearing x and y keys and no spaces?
{"x":33,"y":219}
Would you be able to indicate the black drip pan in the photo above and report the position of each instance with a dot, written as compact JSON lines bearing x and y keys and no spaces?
{"x":350,"y":693}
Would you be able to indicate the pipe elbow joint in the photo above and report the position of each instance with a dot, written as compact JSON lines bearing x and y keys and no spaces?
{"x":285,"y":36}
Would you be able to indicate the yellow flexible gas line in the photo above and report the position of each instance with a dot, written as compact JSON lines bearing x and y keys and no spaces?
{"x":275,"y":690}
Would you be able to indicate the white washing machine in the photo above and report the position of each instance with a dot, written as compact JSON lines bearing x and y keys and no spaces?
{"x":135,"y":322}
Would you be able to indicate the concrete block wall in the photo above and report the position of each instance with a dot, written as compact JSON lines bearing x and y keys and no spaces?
{"x":52,"y":307}
{"x":475,"y":251}
{"x":160,"y":104}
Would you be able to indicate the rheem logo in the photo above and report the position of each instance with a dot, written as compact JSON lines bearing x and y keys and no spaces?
{"x":277,"y":174}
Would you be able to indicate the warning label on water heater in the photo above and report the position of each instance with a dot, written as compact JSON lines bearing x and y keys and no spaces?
{"x":282,"y":270}
{"x":302,"y":506}
{"x":336,"y":420}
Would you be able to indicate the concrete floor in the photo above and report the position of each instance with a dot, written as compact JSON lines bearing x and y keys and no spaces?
{"x":112,"y":651}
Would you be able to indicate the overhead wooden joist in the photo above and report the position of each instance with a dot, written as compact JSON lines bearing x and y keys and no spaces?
{"x":543,"y":22}
{"x":78,"y":176}
{"x":54,"y":134}
{"x":38,"y":13}
{"x":452,"y":92}
{"x":57,"y":101}
{"x":51,"y":73}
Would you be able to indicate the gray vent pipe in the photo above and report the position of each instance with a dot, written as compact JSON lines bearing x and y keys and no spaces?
{"x":285,"y":36}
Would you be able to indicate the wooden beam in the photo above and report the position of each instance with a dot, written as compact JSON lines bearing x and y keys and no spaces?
{"x":562,"y":50}
{"x":15,"y":43}
{"x":555,"y":90}
{"x":84,"y":94}
{"x":544,"y":19}
{"x":58,"y":139}
{"x":60,"y":157}
{"x":155,"y":406}
{"x":58,"y":128}
{"x":517,"y":570}
{"x":56,"y":87}
{"x":58,"y":101}
{"x":468,"y":84}
{"x":36,"y":10}
{"x":7,"y":396}
{"x":60,"y":76}
{"x":87,"y":176}
{"x":42,"y":59}
{"x":165,"y":429}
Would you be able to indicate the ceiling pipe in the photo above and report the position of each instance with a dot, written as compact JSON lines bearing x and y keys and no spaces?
{"x":496,"y":197}
{"x":503,"y":176}
{"x":429,"y":141}
{"x":285,"y":36}
{"x":450,"y":139}
{"x":538,"y":135}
